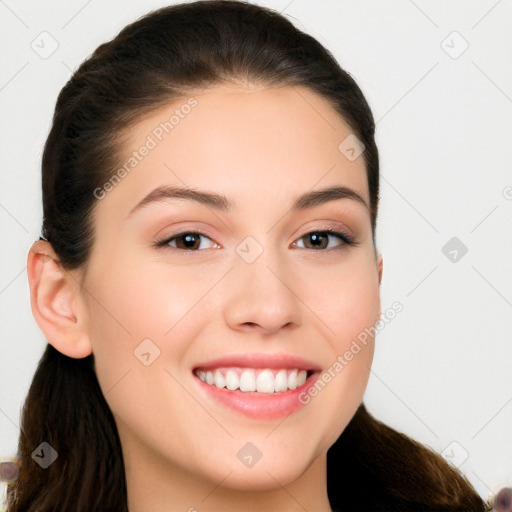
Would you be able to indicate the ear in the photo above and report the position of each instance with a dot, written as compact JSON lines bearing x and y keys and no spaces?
{"x":56,"y":302}
{"x":379,"y":267}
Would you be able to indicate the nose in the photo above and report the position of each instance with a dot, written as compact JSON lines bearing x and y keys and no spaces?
{"x":260,"y":297}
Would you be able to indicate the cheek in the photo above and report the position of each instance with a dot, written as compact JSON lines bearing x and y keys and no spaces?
{"x":344,"y":298}
{"x":346,"y":302}
{"x":132,"y":303}
{"x":141,"y":301}
{"x":355,"y":313}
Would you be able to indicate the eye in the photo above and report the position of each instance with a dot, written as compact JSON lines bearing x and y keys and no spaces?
{"x":187,"y":241}
{"x":192,"y":241}
{"x":320,"y":239}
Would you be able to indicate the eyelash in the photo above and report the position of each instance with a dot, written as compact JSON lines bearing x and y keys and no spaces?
{"x":347,"y":240}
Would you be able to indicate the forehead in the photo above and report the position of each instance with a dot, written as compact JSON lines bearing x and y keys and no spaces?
{"x":240,"y":141}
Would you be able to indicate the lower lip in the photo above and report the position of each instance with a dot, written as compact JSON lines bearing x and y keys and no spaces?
{"x":263,"y":406}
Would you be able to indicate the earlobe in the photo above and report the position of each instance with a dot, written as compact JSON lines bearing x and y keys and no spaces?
{"x":380,"y":267}
{"x":56,"y":302}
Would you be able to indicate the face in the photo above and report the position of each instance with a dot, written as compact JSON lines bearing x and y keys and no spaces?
{"x":243,"y":281}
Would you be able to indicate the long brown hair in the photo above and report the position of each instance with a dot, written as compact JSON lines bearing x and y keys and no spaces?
{"x":152,"y":61}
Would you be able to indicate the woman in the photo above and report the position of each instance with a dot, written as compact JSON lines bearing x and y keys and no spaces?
{"x":207,"y":267}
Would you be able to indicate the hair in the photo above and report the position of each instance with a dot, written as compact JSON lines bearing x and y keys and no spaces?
{"x":159,"y":58}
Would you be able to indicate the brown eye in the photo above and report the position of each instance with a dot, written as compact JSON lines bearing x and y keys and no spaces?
{"x":317,"y":240}
{"x":320,"y":240}
{"x":186,"y":241}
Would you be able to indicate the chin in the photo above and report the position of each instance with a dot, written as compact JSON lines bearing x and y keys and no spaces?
{"x":276,"y":471}
{"x":261,"y":480}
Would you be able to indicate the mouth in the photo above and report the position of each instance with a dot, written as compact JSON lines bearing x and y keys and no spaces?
{"x":260,"y":387}
{"x":254,"y":380}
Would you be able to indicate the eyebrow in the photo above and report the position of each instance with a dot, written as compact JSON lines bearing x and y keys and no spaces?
{"x":222,"y":203}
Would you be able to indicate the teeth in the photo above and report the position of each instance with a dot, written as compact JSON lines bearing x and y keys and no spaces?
{"x":265,"y":382}
{"x":218,"y":379}
{"x":301,"y":377}
{"x":281,"y":382}
{"x":248,"y":381}
{"x":292,"y":380}
{"x":231,"y":380}
{"x":262,"y":381}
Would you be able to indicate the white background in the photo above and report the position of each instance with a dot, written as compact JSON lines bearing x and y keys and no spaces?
{"x":442,"y":371}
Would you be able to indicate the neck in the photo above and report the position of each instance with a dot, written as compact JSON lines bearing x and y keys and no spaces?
{"x":158,"y":486}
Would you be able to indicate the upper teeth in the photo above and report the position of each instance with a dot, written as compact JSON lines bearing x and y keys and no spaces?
{"x":263,"y":381}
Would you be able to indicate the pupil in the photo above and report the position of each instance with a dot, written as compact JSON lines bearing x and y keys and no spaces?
{"x":189,"y":240}
{"x":316,"y":239}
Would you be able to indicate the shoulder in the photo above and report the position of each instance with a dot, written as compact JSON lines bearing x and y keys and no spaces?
{"x":388,"y":503}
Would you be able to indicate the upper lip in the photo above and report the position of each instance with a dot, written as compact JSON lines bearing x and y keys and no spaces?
{"x":276,"y":361}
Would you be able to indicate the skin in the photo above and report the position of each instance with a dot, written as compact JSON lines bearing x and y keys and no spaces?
{"x":261,"y":147}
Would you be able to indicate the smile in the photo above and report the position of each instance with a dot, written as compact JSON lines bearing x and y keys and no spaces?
{"x":259,"y":386}
{"x":245,"y":380}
